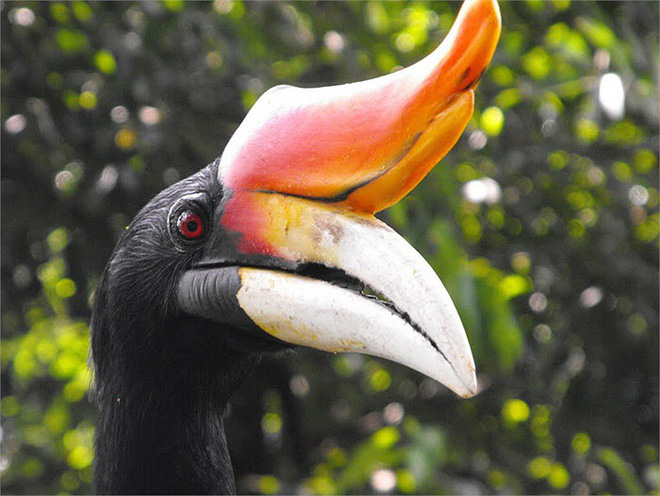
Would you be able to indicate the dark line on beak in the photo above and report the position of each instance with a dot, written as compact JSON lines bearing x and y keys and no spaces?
{"x":406,"y":317}
{"x":465,"y":74}
{"x":416,"y":327}
{"x":328,"y":199}
{"x":345,"y":194}
{"x":473,"y":82}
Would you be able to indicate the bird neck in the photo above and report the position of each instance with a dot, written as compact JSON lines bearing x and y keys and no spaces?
{"x":160,"y":430}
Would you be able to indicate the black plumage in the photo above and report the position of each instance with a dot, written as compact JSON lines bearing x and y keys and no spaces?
{"x":163,"y":379}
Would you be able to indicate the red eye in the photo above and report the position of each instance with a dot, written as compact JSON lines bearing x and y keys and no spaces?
{"x":191,"y":225}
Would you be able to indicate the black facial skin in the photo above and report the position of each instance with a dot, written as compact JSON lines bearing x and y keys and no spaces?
{"x":163,"y":378}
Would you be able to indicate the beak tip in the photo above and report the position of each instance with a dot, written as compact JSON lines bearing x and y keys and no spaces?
{"x":472,"y":385}
{"x":489,"y":8}
{"x":468,"y":379}
{"x":488,"y":16}
{"x":470,"y":389}
{"x":468,"y":385}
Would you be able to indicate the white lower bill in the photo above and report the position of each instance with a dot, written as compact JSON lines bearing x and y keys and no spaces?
{"x":314,"y":313}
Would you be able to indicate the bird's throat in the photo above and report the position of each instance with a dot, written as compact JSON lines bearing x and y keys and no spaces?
{"x":160,"y":431}
{"x":148,"y":450}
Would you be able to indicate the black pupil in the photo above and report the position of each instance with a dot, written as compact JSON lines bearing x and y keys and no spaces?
{"x":192,"y":226}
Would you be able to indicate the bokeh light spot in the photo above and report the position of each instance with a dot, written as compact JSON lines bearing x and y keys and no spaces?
{"x":119,"y":114}
{"x":591,"y":296}
{"x":65,"y":288}
{"x":271,"y":423}
{"x":543,"y":333}
{"x":586,"y":130}
{"x":57,"y":240}
{"x":22,"y":16}
{"x":622,"y":171}
{"x":539,"y":467}
{"x":299,"y":386}
{"x":484,"y":190}
{"x":9,"y":406}
{"x":214,"y":59}
{"x":477,"y":140}
{"x":383,"y":480}
{"x":71,"y":41}
{"x":638,"y":195}
{"x":149,"y":116}
{"x":537,"y":63}
{"x":515,"y":411}
{"x":513,"y":285}
{"x":268,"y":484}
{"x":223,"y":7}
{"x":334,"y":42}
{"x":125,"y":138}
{"x":406,"y":481}
{"x":80,"y":457}
{"x":82,"y":11}
{"x":558,"y":477}
{"x":87,"y":100}
{"x":386,"y":437}
{"x":405,"y":42}
{"x":105,"y":62}
{"x":521,"y":262}
{"x":497,"y":479}
{"x":380,"y":380}
{"x":612,"y":96}
{"x":173,"y":5}
{"x":15,"y":124}
{"x":393,"y":413}
{"x":538,"y":302}
{"x":581,"y":443}
{"x":644,"y":160}
{"x":576,"y":228}
{"x":492,"y":121}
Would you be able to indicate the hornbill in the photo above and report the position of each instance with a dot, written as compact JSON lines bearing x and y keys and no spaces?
{"x":270,"y":247}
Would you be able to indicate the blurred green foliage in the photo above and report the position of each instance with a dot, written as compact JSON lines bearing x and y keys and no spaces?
{"x":542,"y":222}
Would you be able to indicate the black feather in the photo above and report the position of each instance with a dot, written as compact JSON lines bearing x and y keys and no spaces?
{"x":162,"y":379}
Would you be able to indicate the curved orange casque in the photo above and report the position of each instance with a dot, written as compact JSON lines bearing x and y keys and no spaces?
{"x":364,"y":146}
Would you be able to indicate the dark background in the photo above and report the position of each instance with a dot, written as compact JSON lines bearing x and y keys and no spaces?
{"x":542,"y":222}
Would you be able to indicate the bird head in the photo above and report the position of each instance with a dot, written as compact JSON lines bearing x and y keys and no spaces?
{"x":276,"y":242}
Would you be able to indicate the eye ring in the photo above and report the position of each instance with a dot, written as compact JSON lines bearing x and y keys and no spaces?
{"x":190,"y":225}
